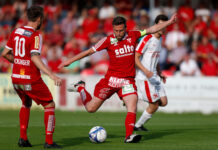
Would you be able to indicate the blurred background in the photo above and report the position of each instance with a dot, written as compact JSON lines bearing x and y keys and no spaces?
{"x":189,"y":48}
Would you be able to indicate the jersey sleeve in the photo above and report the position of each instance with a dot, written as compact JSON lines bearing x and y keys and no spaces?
{"x":9,"y":44}
{"x":137,"y":34}
{"x":141,"y":48}
{"x":102,"y":44}
{"x":36,"y":43}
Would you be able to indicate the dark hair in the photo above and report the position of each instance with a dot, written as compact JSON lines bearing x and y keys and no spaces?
{"x":119,"y":20}
{"x":160,"y":17}
{"x":34,"y":12}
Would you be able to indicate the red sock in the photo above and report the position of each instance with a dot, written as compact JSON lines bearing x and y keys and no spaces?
{"x":130,"y":123}
{"x":49,"y":120}
{"x":24,"y":121}
{"x":86,"y":97}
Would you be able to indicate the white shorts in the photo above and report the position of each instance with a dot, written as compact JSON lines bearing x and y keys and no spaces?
{"x":147,"y":92}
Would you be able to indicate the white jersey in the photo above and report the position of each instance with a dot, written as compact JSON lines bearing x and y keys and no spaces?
{"x":149,"y":47}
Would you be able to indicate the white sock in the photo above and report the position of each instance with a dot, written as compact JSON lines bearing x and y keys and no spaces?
{"x":143,"y":119}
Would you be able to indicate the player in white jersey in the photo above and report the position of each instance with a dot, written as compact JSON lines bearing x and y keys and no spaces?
{"x":148,"y":76}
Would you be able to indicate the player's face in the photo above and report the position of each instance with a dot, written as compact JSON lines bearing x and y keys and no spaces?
{"x":119,"y":31}
{"x":161,"y":32}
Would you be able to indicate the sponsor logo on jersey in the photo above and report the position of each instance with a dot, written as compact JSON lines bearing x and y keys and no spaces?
{"x":22,"y":71}
{"x":27,"y":33}
{"x":113,"y":40}
{"x":23,"y":32}
{"x":19,"y":31}
{"x":129,"y":40}
{"x":125,"y":51}
{"x":22,"y":62}
{"x":117,"y":82}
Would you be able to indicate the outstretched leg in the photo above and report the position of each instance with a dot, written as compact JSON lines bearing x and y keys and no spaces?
{"x":91,"y":104}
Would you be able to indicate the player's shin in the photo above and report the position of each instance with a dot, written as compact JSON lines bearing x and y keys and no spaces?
{"x":24,"y":121}
{"x":85,"y":96}
{"x":143,"y":119}
{"x":130,"y":123}
{"x":49,"y":121}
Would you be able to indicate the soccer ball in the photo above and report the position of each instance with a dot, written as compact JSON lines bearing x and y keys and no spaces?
{"x":97,"y":134}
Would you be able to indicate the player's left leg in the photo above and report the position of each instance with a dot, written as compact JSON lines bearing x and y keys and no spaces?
{"x":131,"y":105}
{"x":49,"y":121}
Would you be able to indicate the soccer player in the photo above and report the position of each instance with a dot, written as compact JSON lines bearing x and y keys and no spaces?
{"x":148,"y":75}
{"x":121,"y":73}
{"x":23,"y":50}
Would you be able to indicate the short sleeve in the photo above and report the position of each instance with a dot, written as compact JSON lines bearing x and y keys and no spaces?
{"x":9,"y":44}
{"x":102,"y":44}
{"x":137,"y":34}
{"x":36,"y":43}
{"x":143,"y":44}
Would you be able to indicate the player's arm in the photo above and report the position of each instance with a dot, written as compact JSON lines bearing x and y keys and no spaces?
{"x":35,"y":57}
{"x":8,"y":54}
{"x":77,"y":57}
{"x":138,"y":63}
{"x":160,"y":73}
{"x":157,"y":27}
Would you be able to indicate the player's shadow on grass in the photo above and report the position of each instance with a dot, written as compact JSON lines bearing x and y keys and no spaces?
{"x":158,"y":134}
{"x":67,"y":142}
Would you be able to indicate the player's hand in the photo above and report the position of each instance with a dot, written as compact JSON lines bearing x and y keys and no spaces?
{"x":154,"y":80}
{"x":149,"y":74}
{"x":64,"y":64}
{"x":164,"y":78}
{"x":173,"y":18}
{"x":56,"y":79}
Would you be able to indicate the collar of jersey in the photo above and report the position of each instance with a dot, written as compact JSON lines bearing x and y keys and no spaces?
{"x":123,"y":37}
{"x":29,"y":27}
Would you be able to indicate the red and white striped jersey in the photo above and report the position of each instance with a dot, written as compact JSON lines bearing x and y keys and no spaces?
{"x":23,"y":41}
{"x":149,"y":47}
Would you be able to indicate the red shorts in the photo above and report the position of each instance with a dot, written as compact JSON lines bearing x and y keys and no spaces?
{"x":37,"y":91}
{"x":106,"y":87}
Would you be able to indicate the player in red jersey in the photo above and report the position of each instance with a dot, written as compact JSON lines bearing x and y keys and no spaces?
{"x":23,"y":50}
{"x":121,"y":73}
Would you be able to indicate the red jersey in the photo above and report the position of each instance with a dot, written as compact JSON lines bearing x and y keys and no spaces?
{"x":23,"y":41}
{"x":121,"y":54}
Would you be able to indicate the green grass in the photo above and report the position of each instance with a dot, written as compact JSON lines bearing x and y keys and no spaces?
{"x":167,"y":131}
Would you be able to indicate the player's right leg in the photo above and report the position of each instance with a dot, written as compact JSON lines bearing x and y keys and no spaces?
{"x":91,"y":104}
{"x":23,"y":115}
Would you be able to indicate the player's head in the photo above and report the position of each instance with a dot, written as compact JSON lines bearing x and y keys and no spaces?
{"x":160,"y":19}
{"x":35,"y":14}
{"x":119,"y":27}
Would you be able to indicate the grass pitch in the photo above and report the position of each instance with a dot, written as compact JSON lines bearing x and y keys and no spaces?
{"x":167,"y":131}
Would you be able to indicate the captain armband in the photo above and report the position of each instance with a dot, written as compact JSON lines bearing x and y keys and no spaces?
{"x":143,"y":32}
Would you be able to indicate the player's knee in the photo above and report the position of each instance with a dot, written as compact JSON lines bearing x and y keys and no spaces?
{"x":163,"y":102}
{"x":51,"y":104}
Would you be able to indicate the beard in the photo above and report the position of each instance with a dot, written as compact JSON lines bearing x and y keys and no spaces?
{"x":39,"y":26}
